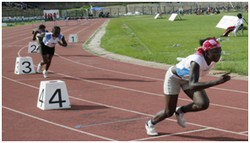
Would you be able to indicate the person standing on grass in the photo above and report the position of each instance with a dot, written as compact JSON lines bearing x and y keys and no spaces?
{"x":48,"y":48}
{"x":186,"y":75}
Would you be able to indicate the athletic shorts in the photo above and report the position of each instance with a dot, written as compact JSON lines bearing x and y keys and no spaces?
{"x":47,"y":50}
{"x":173,"y":83}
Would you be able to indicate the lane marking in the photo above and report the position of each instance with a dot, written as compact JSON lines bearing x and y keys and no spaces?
{"x":244,"y":132}
{"x":135,"y":75}
{"x":173,"y":134}
{"x":143,"y":92}
{"x":19,"y":51}
{"x":56,"y":124}
{"x":111,"y":122}
{"x":132,"y":111}
{"x":152,"y":115}
{"x":139,"y":91}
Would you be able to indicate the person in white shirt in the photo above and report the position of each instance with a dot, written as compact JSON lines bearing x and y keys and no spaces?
{"x":48,"y":48}
{"x":185,"y":75}
{"x":234,"y":28}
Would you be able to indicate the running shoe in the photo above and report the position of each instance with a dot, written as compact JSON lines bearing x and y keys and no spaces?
{"x":39,"y":68}
{"x":150,"y":128}
{"x":180,"y":117}
{"x":45,"y":74}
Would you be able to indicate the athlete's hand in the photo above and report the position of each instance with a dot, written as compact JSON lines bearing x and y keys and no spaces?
{"x":62,"y":44}
{"x":224,"y":78}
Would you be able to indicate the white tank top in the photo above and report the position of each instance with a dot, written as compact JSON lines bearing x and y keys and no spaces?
{"x":51,"y":41}
{"x":183,"y":67}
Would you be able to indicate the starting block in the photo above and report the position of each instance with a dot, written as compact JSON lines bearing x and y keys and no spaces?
{"x":33,"y":47}
{"x":53,"y":94}
{"x":73,"y":38}
{"x":24,"y":65}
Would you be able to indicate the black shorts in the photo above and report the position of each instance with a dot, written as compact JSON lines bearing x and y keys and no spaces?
{"x":47,"y":50}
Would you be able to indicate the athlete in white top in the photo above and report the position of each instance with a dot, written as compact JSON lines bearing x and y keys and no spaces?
{"x":48,"y":48}
{"x":186,"y":75}
{"x":51,"y":41}
{"x":235,"y":27}
{"x":183,"y":67}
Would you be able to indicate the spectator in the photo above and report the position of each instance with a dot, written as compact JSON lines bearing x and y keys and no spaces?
{"x":236,"y":27}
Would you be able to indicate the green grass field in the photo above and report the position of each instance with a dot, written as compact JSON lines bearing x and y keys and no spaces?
{"x":162,"y":41}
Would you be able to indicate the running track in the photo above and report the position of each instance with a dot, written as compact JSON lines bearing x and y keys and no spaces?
{"x":110,"y":100}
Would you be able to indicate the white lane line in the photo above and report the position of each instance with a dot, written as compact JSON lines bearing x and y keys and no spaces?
{"x":244,"y":132}
{"x":143,"y":92}
{"x":132,"y":111}
{"x":19,"y":51}
{"x":56,"y":124}
{"x":230,"y":90}
{"x":135,"y":75}
{"x":174,"y":134}
{"x":111,"y":122}
{"x":108,"y":70}
{"x":152,"y":115}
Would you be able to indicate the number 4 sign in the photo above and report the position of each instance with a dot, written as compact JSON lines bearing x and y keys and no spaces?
{"x":53,"y":95}
{"x":73,"y":38}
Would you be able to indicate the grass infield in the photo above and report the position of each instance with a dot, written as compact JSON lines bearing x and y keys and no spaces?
{"x":162,"y":41}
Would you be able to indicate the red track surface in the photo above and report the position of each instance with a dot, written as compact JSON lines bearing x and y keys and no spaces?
{"x":110,"y":100}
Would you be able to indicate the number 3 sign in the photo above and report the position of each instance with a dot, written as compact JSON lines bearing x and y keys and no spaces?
{"x":24,"y":65}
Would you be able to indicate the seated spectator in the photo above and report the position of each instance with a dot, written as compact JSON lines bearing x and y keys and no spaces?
{"x":106,"y":14}
{"x":101,"y":14}
{"x":234,"y":28}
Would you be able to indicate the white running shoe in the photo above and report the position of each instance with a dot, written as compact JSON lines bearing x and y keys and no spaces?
{"x":45,"y":74}
{"x":39,"y":68}
{"x":180,"y":117}
{"x":150,"y":129}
